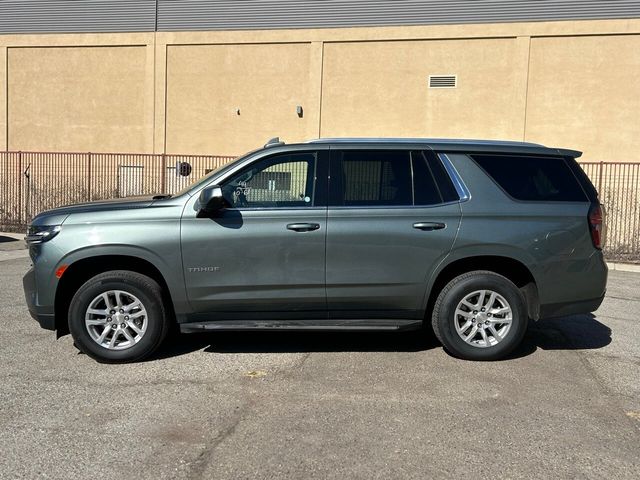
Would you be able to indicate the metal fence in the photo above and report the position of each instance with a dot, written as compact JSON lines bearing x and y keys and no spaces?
{"x":618,"y":185}
{"x":31,"y":182}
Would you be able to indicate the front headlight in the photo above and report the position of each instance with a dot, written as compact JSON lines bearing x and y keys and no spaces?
{"x":41,"y":233}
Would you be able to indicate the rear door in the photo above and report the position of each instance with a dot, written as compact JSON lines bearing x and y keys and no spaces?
{"x":393,"y":216}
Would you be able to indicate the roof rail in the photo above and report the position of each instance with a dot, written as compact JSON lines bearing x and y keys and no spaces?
{"x":274,"y":142}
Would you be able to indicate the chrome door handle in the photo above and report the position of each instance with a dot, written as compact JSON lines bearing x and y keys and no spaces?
{"x":303,"y":227}
{"x":429,"y":226}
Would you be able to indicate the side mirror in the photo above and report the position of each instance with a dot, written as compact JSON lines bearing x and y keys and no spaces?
{"x":211,"y":200}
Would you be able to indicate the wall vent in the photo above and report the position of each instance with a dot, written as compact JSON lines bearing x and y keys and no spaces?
{"x":443,"y":81}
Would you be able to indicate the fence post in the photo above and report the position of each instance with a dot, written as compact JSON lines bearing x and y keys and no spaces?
{"x":163,"y":173}
{"x":89,"y":177}
{"x":600,"y":167}
{"x":6,"y":218}
{"x":20,"y":203}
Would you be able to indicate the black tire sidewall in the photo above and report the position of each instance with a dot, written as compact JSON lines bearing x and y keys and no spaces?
{"x":446,"y":317}
{"x":143,"y":290}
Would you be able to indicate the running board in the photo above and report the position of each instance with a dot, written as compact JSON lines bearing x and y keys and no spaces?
{"x":303,"y":325}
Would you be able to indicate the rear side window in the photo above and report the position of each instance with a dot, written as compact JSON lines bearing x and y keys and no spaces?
{"x":542,"y":179}
{"x":385,"y":178}
{"x":425,"y":188}
{"x":441,"y":177}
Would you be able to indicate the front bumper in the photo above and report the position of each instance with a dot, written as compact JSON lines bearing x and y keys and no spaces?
{"x":43,"y":315}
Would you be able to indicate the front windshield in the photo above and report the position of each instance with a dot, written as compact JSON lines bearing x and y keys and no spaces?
{"x":204,"y":180}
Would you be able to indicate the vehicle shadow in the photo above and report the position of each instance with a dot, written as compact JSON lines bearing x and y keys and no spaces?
{"x":5,"y":239}
{"x":274,"y":341}
{"x":575,"y":332}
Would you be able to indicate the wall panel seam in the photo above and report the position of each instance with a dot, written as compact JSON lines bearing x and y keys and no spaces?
{"x":321,"y":89}
{"x":166,"y":97}
{"x":6,"y":96}
{"x":526,"y":91}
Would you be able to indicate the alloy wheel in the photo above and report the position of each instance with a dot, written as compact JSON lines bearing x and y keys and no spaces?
{"x":483,"y":318}
{"x":116,"y":320}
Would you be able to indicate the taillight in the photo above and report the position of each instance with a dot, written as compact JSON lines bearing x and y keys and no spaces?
{"x":596,"y":225}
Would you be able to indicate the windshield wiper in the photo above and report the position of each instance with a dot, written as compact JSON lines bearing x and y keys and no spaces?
{"x":161,"y":197}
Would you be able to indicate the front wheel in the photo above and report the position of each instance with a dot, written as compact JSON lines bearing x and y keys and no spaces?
{"x":480,"y":316}
{"x":118,"y":317}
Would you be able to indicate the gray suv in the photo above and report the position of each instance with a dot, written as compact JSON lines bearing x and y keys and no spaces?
{"x":473,"y":237}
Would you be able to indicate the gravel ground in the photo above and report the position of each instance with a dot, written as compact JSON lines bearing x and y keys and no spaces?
{"x":314,"y":405}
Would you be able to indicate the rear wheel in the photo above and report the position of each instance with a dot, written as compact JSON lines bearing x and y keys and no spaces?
{"x":480,"y":316}
{"x":118,"y":317}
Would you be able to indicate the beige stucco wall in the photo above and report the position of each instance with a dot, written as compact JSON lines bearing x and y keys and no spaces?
{"x":225,"y":98}
{"x":572,"y":84}
{"x":63,"y":98}
{"x":585,"y":92}
{"x":381,"y":89}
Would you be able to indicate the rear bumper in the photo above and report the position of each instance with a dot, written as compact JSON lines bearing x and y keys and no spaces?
{"x":570,"y":308}
{"x":573,"y":287}
{"x":46,"y":321}
{"x":43,"y":315}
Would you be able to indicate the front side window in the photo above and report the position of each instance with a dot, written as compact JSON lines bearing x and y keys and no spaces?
{"x":286,"y":180}
{"x":386,"y":178}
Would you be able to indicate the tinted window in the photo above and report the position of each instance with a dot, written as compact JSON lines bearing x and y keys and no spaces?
{"x":443,"y":181}
{"x":424,"y":180}
{"x":533,"y":178}
{"x":382,"y":178}
{"x":582,"y":177}
{"x":279,"y":181}
{"x":425,"y":190}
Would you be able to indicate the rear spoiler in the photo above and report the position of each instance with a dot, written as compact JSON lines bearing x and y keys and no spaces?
{"x":568,"y":153}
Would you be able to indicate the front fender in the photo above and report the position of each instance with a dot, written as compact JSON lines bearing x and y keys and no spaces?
{"x":155,"y":241}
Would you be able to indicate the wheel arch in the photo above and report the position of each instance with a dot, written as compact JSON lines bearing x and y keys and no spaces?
{"x":78,"y":272}
{"x":513,"y":269}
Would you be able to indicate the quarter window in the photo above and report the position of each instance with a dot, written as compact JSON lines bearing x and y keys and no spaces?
{"x":533,"y":178}
{"x":279,"y":181}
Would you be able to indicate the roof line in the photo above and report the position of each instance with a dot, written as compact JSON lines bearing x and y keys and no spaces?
{"x":455,"y":141}
{"x":498,"y":146}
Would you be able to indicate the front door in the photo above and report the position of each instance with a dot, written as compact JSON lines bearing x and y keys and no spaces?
{"x":393,"y":216}
{"x":263,"y":257}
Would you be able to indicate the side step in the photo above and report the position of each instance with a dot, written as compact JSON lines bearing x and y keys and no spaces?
{"x":326,"y":325}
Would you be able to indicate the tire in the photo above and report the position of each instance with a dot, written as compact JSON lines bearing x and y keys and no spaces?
{"x":93,"y":331}
{"x":451,"y":315}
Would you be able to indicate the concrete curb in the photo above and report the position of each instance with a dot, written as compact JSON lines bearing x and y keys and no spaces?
{"x":623,"y":267}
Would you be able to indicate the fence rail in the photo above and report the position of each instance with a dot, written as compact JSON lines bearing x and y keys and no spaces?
{"x":618,"y":185}
{"x":31,"y":182}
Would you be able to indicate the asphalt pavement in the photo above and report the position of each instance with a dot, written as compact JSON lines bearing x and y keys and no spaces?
{"x":320,"y":405}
